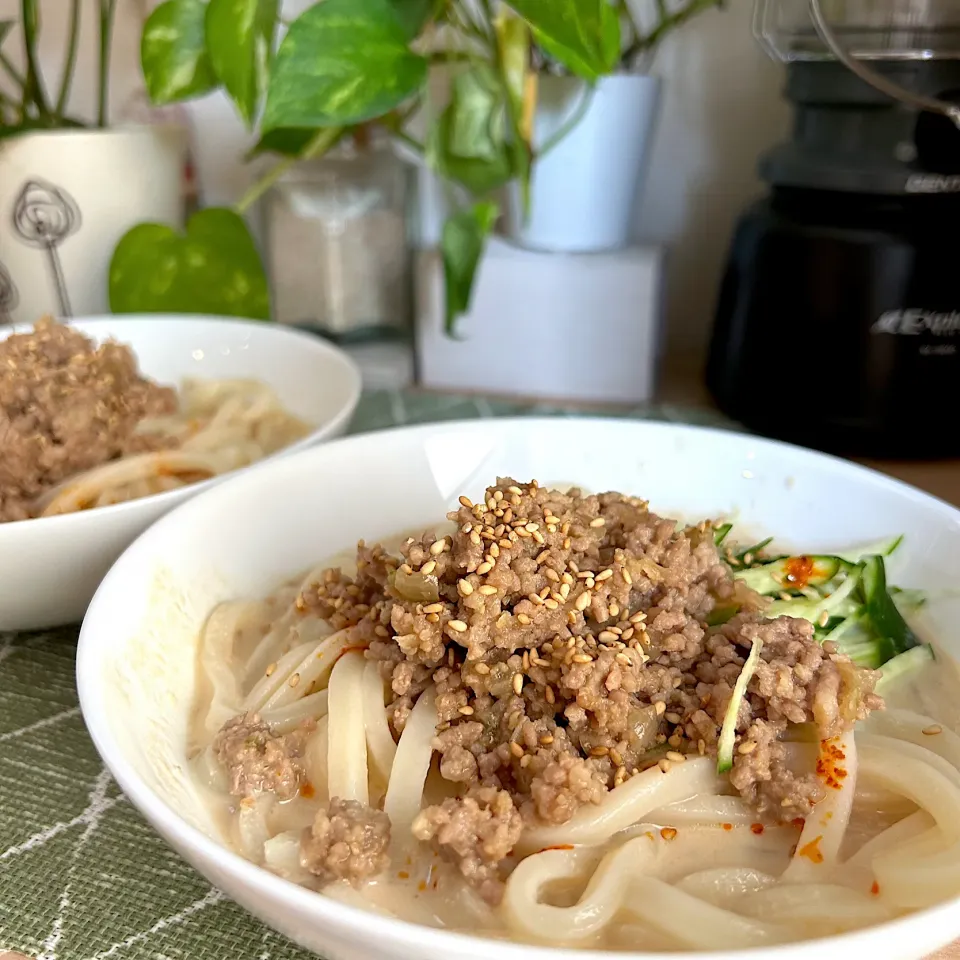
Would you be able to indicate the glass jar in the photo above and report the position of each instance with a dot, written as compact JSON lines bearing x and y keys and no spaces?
{"x":867,"y":29}
{"x":339,"y":250}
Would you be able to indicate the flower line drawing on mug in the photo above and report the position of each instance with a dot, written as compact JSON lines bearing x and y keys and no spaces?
{"x":44,"y":216}
{"x":9,"y":298}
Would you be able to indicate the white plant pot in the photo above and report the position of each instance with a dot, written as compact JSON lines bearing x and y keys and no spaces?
{"x":585,"y":190}
{"x":66,"y":199}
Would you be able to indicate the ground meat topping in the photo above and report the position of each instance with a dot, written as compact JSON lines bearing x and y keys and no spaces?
{"x":67,"y":406}
{"x":477,"y":832}
{"x":573,"y":641}
{"x":348,"y":841}
{"x":257,"y":760}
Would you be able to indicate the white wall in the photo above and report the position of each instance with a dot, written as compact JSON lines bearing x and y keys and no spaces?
{"x":722,"y":107}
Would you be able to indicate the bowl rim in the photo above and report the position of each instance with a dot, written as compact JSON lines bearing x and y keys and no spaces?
{"x":94,"y":324}
{"x":349,"y":919}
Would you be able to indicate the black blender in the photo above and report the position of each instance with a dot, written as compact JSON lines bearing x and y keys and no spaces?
{"x":838,"y":322}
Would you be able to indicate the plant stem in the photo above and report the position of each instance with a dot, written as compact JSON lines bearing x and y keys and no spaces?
{"x":666,"y":23}
{"x":12,"y":72}
{"x":570,"y":122}
{"x":107,"y":11}
{"x":33,"y":84}
{"x":73,"y":44}
{"x":319,"y":145}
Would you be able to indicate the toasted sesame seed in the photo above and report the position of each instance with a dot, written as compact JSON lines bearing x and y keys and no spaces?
{"x":824,"y":618}
{"x":498,"y":495}
{"x":467,"y":528}
{"x":668,"y":833}
{"x":598,"y":522}
{"x":526,"y":660}
{"x":294,"y":680}
{"x":458,"y":625}
{"x":551,"y":519}
{"x":438,"y":547}
{"x":583,"y":601}
{"x":538,"y":537}
{"x":270,"y":669}
{"x":484,"y":568}
{"x":582,"y":658}
{"x":433,"y":618}
{"x":433,"y":608}
{"x":481,"y":668}
{"x":747,"y":559}
{"x":624,"y":659}
{"x":784,"y":595}
{"x":532,"y":527}
{"x":517,"y":683}
{"x":665,"y":765}
{"x":406,"y":568}
{"x":465,"y":711}
{"x":539,"y":662}
{"x":465,"y":587}
{"x":660,"y":708}
{"x":487,"y":590}
{"x":475,"y":539}
{"x":620,"y":776}
{"x":675,"y":757}
{"x":638,"y":617}
{"x":524,"y":619}
{"x":933,"y":730}
{"x":540,"y":557}
{"x":672,"y":717}
{"x":747,"y":747}
{"x":516,"y":749}
{"x":627,"y":576}
{"x":535,"y":598}
{"x":464,"y":501}
{"x":564,"y":591}
{"x":550,"y":603}
{"x":546,"y":739}
{"x":566,"y":543}
{"x":552,"y":575}
{"x":604,"y":575}
{"x":614,"y":610}
{"x":600,"y":751}
{"x":616,"y":758}
{"x":549,"y":694}
{"x":494,"y":551}
{"x":606,"y":636}
{"x":525,"y":760}
{"x":516,"y":491}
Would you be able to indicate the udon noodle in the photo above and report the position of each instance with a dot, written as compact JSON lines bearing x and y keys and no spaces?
{"x":81,"y":427}
{"x":671,"y":854}
{"x":221,"y":425}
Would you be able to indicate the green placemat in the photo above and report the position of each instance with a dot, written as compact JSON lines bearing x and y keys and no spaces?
{"x":82,"y":876}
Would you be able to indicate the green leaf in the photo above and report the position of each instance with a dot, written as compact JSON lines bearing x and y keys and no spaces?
{"x":239,"y":39}
{"x":215,"y":268}
{"x":173,"y":52}
{"x":462,"y":245}
{"x":287,"y":141}
{"x":583,"y":35}
{"x":468,"y":143}
{"x":342,"y":62}
{"x":413,"y":15}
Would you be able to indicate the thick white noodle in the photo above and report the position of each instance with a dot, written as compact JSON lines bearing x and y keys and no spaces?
{"x":313,"y":669}
{"x":706,"y":809}
{"x":347,"y":772}
{"x":816,"y":909}
{"x":285,"y":719}
{"x":624,"y":883}
{"x":252,"y":831}
{"x":724,"y":886}
{"x":627,"y":804}
{"x":218,"y":665}
{"x":411,"y":764}
{"x":906,"y":725}
{"x":818,"y":848}
{"x":221,"y":425}
{"x":915,"y":882}
{"x":379,"y":738}
{"x":281,"y":855}
{"x":315,"y":759}
{"x":266,"y":687}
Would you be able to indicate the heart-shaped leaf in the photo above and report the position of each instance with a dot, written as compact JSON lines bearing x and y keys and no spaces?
{"x":413,"y":14}
{"x":462,"y":244}
{"x":468,"y":143}
{"x":215,"y":268}
{"x":584,"y":35}
{"x":239,"y":36}
{"x":173,"y":52}
{"x":342,"y":62}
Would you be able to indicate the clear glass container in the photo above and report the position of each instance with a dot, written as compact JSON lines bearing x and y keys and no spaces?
{"x":339,"y":248}
{"x":867,"y":29}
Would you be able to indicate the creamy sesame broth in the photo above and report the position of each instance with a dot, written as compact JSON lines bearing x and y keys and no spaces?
{"x":562,"y":719}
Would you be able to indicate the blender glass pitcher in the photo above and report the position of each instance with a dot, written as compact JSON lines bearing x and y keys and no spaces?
{"x":858,"y":31}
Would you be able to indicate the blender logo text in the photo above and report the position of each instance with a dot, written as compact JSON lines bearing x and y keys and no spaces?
{"x":914,"y":322}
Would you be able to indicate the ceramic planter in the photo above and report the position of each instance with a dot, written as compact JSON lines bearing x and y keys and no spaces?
{"x":66,"y":199}
{"x":584,"y":191}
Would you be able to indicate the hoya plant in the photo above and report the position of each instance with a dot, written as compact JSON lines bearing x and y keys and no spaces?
{"x":344,"y":65}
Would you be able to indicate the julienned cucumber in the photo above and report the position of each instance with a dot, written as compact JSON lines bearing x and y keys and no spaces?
{"x":792,"y":574}
{"x":905,"y":664}
{"x":728,"y":732}
{"x":883,"y":548}
{"x":892,"y":632}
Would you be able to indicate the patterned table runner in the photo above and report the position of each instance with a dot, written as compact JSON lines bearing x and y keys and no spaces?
{"x":82,"y":877}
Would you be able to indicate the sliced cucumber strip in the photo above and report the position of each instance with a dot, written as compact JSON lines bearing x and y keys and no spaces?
{"x":883,"y":548}
{"x":892,"y":631}
{"x":905,"y":664}
{"x":792,"y":574}
{"x":728,"y":732}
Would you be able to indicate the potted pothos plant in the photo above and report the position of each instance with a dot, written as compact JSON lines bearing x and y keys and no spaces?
{"x":341,"y":64}
{"x":71,"y":188}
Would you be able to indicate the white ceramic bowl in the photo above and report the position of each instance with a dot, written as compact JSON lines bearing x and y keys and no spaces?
{"x":138,"y":643}
{"x":50,"y":567}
